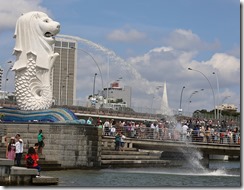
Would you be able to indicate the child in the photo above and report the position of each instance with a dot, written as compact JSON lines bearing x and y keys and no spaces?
{"x":10,"y":152}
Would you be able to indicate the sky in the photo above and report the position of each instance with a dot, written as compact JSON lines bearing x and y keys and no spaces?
{"x":147,"y":43}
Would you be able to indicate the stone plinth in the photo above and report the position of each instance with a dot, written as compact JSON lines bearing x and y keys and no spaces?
{"x":71,"y":145}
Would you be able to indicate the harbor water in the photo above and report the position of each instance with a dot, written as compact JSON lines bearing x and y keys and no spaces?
{"x":219,"y":174}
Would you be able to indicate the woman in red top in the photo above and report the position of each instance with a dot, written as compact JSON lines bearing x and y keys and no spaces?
{"x":32,"y":153}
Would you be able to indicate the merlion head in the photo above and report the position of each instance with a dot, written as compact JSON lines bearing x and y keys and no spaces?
{"x":34,"y":34}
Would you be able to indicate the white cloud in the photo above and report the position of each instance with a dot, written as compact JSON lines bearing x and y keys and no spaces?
{"x":171,"y":65}
{"x":122,"y":35}
{"x":11,"y":10}
{"x":186,"y":40}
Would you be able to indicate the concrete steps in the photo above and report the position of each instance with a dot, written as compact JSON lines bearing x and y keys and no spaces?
{"x":130,"y":158}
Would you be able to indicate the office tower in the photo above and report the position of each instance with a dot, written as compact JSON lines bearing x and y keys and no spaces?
{"x":64,"y":72}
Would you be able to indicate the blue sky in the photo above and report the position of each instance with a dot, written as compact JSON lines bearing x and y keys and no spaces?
{"x":159,"y":39}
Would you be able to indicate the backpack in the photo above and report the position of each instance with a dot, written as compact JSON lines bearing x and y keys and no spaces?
{"x":29,"y":161}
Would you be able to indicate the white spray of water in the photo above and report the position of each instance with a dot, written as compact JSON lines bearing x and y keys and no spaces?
{"x":111,"y":54}
{"x":118,"y":67}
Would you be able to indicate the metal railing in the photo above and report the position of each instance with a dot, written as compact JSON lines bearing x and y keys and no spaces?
{"x":171,"y":134}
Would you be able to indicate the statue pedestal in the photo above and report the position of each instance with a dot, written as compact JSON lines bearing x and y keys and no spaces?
{"x":60,"y":115}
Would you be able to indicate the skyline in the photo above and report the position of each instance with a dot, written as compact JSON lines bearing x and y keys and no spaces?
{"x":155,"y":41}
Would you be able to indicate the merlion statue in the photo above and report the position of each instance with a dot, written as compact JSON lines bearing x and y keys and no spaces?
{"x":34,"y":60}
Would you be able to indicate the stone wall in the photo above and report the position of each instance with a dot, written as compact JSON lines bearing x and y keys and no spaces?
{"x":72,"y":145}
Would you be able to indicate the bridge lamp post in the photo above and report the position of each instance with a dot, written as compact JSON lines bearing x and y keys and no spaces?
{"x":180,"y":109}
{"x":100,"y":72}
{"x":6,"y":80}
{"x":225,"y":98}
{"x":61,"y":88}
{"x":189,"y":99}
{"x":94,"y":84}
{"x":157,"y":88}
{"x":217,"y":79}
{"x":210,"y":87}
{"x":93,"y":99}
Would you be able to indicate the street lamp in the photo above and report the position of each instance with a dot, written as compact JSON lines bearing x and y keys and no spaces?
{"x":61,"y":88}
{"x":189,"y":99}
{"x":225,"y":98}
{"x":209,"y":85}
{"x":93,"y":60}
{"x":94,"y":82}
{"x":119,"y":79}
{"x":6,"y":79}
{"x":157,"y":88}
{"x":153,"y":97}
{"x":180,"y":109}
{"x":217,"y":79}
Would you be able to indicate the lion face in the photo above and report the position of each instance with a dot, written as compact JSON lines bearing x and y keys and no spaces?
{"x":34,"y":34}
{"x":48,"y":27}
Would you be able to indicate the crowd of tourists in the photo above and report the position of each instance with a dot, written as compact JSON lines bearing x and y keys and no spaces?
{"x":15,"y":150}
{"x":194,"y":130}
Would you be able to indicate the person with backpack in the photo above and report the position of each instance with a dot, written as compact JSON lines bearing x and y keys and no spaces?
{"x":32,"y":159}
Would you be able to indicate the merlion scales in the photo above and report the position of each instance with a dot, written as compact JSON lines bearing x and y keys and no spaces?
{"x":34,"y":60}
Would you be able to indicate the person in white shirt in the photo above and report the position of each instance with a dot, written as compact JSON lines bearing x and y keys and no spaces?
{"x":122,"y":141}
{"x":184,"y":131}
{"x":19,"y":145}
{"x":106,"y":128}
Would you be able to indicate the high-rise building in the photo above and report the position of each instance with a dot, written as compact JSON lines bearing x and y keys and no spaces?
{"x":64,"y":72}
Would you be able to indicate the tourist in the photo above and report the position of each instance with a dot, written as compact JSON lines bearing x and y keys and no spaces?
{"x":229,"y":136}
{"x":19,"y":149}
{"x":195,"y":133}
{"x":221,"y":136}
{"x":40,"y":139}
{"x":235,"y":135}
{"x":32,"y":159}
{"x":106,"y":128}
{"x":10,"y":150}
{"x":117,"y":141}
{"x":184,"y":132}
{"x":89,"y":121}
{"x":201,"y":134}
{"x":122,"y":141}
{"x":112,"y":131}
{"x":36,"y":147}
{"x":99,"y":122}
{"x":208,"y":134}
